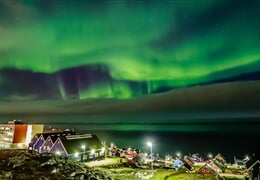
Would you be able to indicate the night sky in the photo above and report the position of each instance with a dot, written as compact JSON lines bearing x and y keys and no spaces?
{"x":120,"y":49}
{"x":183,"y":71}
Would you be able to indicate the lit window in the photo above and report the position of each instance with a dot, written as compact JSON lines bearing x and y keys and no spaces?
{"x":9,"y":133}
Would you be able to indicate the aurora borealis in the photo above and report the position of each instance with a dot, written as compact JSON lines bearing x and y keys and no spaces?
{"x":186,"y":72}
{"x":124,"y":49}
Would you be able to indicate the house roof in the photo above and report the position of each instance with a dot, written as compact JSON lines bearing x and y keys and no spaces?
{"x":220,"y":164}
{"x":55,"y":135}
{"x":208,"y":167}
{"x":187,"y":166}
{"x":253,"y":161}
{"x":74,"y":143}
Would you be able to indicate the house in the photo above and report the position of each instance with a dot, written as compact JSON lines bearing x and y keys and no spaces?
{"x":215,"y":166}
{"x":189,"y":161}
{"x":218,"y":163}
{"x":187,"y":166}
{"x":197,"y":157}
{"x":17,"y":135}
{"x":46,"y":146}
{"x":39,"y":139}
{"x":207,"y":169}
{"x":177,"y":164}
{"x":68,"y":144}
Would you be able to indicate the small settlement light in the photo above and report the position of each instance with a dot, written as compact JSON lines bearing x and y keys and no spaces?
{"x":103,"y":150}
{"x":150,"y":144}
{"x":58,"y":153}
{"x":178,"y":154}
{"x":151,"y":147}
{"x":210,"y":156}
{"x":76,"y":155}
{"x":84,"y":148}
{"x":246,"y":158}
{"x":20,"y":145}
{"x":93,"y":151}
{"x":9,"y":133}
{"x":84,"y":152}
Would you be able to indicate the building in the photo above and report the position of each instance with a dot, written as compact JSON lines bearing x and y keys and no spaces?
{"x":189,"y":161}
{"x":207,"y":169}
{"x":67,"y":143}
{"x":16,"y":134}
{"x":177,"y":164}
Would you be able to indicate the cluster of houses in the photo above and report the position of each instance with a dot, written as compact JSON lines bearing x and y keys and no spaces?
{"x":87,"y":147}
{"x":217,"y":166}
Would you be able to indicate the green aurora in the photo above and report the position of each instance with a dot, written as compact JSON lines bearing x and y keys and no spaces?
{"x":162,"y":44}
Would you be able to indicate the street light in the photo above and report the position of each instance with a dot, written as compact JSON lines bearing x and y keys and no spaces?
{"x":150,"y":144}
{"x":178,"y":154}
{"x":104,"y":148}
{"x":76,"y":155}
{"x":246,"y":158}
{"x":93,"y":154}
{"x":84,"y":148}
{"x":151,"y":147}
{"x":210,"y":156}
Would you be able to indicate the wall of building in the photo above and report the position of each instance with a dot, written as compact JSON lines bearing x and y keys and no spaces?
{"x":17,"y":135}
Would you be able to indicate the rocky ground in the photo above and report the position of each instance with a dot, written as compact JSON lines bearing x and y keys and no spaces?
{"x":23,"y":165}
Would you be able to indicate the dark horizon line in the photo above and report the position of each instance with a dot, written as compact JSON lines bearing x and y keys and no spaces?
{"x":164,"y":123}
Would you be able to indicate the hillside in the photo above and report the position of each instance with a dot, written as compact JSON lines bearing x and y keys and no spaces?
{"x":18,"y":164}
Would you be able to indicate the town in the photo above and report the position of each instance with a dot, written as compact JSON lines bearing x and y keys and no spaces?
{"x":88,"y":149}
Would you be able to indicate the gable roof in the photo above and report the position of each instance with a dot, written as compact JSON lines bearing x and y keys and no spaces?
{"x":188,"y":160}
{"x":215,"y":166}
{"x":48,"y":142}
{"x":252,"y":165}
{"x":187,"y":166}
{"x":207,"y":169}
{"x":253,"y":161}
{"x":58,"y":147}
{"x":39,"y":143}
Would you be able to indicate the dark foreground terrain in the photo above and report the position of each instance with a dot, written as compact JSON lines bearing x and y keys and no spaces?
{"x":19,"y":164}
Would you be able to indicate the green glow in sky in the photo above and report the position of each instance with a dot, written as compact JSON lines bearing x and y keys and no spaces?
{"x":170,"y":44}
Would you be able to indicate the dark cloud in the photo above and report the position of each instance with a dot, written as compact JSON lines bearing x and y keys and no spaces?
{"x":18,"y":84}
{"x":225,"y":97}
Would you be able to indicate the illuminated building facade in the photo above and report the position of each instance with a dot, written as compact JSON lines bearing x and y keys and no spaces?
{"x":16,"y":135}
{"x":83,"y":147}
